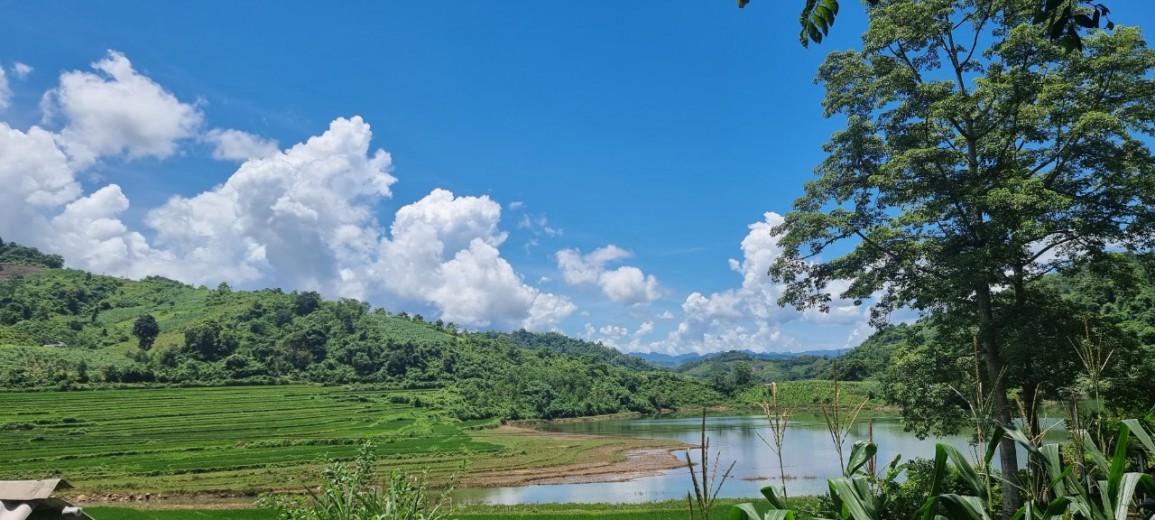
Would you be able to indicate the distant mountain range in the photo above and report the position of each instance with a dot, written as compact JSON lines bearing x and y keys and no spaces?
{"x":668,"y":361}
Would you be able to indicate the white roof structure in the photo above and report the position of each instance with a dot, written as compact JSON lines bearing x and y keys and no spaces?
{"x":32,"y":500}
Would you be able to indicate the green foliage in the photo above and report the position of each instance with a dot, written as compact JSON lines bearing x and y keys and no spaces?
{"x":731,"y":372}
{"x":146,"y":329}
{"x":13,"y":253}
{"x":1099,"y":488}
{"x":1060,"y":20}
{"x":812,"y":393}
{"x":348,"y":492}
{"x":561,"y":344}
{"x":197,"y":336}
{"x":977,"y":156}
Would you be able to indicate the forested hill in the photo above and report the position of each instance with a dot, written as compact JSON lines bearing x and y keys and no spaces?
{"x":562,"y":344}
{"x":72,"y":329}
{"x":15,"y":255}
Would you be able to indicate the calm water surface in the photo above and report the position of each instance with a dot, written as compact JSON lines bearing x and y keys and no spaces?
{"x":808,"y":456}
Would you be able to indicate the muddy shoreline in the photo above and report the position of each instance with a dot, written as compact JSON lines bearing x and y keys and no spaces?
{"x":608,"y":467}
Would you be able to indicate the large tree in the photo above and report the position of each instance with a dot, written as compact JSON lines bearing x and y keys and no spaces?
{"x":977,"y":156}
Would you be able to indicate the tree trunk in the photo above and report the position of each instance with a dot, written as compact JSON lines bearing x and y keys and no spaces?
{"x":1008,"y":456}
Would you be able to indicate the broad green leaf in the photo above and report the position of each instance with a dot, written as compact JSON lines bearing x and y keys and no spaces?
{"x":859,"y":510}
{"x":1053,"y":462}
{"x":1022,"y":439}
{"x":1097,"y":458}
{"x":968,"y":473}
{"x":964,"y":508}
{"x":1127,"y":491}
{"x":1057,"y":507}
{"x":1141,"y":434}
{"x":1118,"y":461}
{"x":992,"y":447}
{"x":775,"y":502}
{"x":744,"y":511}
{"x":860,"y":454}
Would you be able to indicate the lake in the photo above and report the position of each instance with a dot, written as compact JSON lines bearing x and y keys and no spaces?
{"x":808,"y":456}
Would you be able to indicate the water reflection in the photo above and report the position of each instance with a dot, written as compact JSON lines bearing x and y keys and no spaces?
{"x":808,"y":457}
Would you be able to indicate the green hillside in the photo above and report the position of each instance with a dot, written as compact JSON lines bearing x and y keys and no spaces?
{"x":65,"y":328}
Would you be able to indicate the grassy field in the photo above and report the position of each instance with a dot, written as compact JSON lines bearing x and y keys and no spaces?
{"x":240,"y":441}
{"x":223,"y":439}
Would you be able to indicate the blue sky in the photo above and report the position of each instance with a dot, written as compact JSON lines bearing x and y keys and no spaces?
{"x":604,"y":169}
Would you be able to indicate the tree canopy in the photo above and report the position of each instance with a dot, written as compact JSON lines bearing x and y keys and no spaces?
{"x":1060,"y":20}
{"x":978,"y":155}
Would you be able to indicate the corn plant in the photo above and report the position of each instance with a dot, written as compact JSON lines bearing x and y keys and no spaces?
{"x":777,"y":417}
{"x":706,"y":483}
{"x":1106,"y":492}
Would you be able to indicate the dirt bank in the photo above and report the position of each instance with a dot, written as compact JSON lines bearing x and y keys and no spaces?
{"x":617,"y":461}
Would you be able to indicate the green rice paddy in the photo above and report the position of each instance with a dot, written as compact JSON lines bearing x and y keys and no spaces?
{"x":236,"y":440}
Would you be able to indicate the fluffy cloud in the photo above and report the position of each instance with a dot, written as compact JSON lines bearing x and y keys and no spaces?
{"x":303,"y":214}
{"x":618,"y":336}
{"x":115,"y":110}
{"x":235,"y":145}
{"x":444,"y":252}
{"x":626,"y":284}
{"x":303,"y":218}
{"x":36,"y":177}
{"x":89,"y":232}
{"x":21,"y":70}
{"x":748,"y":317}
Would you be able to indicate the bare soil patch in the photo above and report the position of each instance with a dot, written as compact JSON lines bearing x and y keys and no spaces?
{"x":612,"y":462}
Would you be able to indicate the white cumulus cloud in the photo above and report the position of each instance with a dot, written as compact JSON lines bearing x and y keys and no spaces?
{"x":237,"y":145}
{"x":116,"y":110}
{"x":303,"y":214}
{"x":444,"y":252}
{"x":748,"y":317}
{"x":36,"y":178}
{"x":625,"y":284}
{"x":305,"y":217}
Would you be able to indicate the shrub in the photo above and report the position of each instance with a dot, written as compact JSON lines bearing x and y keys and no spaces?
{"x":347,"y":493}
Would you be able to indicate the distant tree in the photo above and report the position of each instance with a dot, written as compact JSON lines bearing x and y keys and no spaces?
{"x":146,"y":329}
{"x":742,"y":374}
{"x":208,"y":341}
{"x":306,"y":302}
{"x":721,"y":381}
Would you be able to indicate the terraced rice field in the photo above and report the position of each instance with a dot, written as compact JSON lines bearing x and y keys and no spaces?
{"x":224,"y":442}
{"x":239,"y":440}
